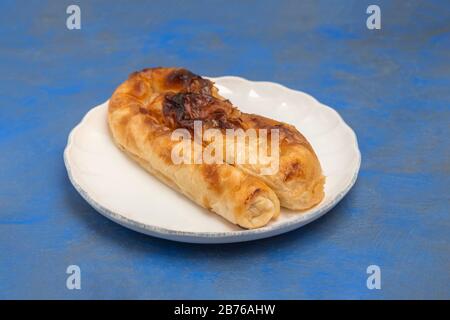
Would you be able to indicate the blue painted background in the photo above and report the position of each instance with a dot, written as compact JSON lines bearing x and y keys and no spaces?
{"x":392,"y":86}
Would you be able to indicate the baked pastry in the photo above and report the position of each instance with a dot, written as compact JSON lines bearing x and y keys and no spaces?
{"x":222,"y":188}
{"x":176,"y":98}
{"x":297,"y":176}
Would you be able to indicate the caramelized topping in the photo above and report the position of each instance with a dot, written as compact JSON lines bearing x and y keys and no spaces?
{"x":188,"y":81}
{"x":182,"y":109}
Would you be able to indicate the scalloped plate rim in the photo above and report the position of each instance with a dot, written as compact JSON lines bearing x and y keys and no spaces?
{"x":217,"y":237}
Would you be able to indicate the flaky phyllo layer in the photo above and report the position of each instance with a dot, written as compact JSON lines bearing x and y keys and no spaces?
{"x":168,"y":119}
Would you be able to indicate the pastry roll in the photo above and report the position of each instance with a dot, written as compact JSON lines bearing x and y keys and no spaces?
{"x":224,"y":189}
{"x":177,"y":98}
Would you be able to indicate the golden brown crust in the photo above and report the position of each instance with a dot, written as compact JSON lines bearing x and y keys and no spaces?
{"x":138,"y":131}
{"x":183,"y":97}
{"x":170,"y":98}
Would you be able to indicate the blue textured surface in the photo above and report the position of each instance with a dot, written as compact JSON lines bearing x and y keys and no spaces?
{"x":391,"y":85}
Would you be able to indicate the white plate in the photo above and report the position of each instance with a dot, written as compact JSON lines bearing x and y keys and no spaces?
{"x":122,"y":191}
